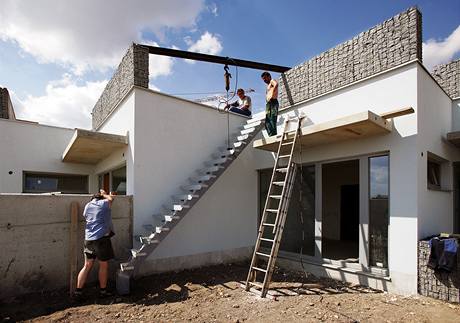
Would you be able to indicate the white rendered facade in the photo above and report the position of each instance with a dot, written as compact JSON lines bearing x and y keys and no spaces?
{"x":170,"y":138}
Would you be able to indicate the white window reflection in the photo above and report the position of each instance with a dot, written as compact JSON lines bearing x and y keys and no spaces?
{"x":379,"y":177}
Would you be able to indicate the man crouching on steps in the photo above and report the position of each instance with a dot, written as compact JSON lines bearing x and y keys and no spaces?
{"x":99,"y":230}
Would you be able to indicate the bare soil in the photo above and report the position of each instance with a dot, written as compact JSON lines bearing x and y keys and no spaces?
{"x":214,"y":294}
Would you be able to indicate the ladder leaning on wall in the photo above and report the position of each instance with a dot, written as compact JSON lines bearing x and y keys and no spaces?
{"x":275,"y":212}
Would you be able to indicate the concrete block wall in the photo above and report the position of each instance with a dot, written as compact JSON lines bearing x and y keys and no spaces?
{"x":448,"y":76}
{"x":444,"y":286}
{"x":133,"y":70}
{"x":35,"y":240}
{"x":396,"y":41}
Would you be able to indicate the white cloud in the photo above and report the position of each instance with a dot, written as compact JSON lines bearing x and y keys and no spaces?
{"x":89,"y":34}
{"x":207,"y":44}
{"x":159,"y":65}
{"x":65,"y":103}
{"x":437,"y":52}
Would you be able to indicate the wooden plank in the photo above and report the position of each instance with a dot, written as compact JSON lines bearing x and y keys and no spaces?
{"x":397,"y":113}
{"x":74,"y":208}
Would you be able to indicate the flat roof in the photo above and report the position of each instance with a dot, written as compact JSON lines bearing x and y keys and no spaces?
{"x":359,"y":125}
{"x":91,"y":147}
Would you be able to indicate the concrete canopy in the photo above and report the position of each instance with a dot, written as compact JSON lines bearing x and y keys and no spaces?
{"x":90,"y":147}
{"x":359,"y":125}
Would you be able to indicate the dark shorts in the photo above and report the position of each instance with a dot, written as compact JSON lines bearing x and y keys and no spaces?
{"x":100,"y":249}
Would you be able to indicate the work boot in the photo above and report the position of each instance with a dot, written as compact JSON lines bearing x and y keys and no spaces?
{"x":103,"y":293}
{"x":78,"y":296}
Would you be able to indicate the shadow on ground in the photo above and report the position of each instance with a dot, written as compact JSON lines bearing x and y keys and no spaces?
{"x":176,"y":287}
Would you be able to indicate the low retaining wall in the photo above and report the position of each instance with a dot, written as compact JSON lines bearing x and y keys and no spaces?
{"x":35,"y":240}
{"x":440,"y":285}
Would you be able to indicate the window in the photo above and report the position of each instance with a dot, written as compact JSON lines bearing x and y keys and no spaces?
{"x":434,"y":174}
{"x":437,"y":169}
{"x":114,"y":181}
{"x":48,"y":182}
{"x":378,"y":210}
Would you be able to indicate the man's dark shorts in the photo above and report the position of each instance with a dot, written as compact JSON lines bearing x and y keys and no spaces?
{"x":100,"y":249}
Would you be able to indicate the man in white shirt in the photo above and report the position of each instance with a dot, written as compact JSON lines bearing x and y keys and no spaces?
{"x":241,"y":106}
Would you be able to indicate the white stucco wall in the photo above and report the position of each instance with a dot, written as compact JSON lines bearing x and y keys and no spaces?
{"x":435,"y":121}
{"x":173,"y":139}
{"x":33,"y":147}
{"x":121,"y":122}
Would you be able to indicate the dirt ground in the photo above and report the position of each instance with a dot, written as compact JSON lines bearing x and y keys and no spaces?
{"x":213,"y":294}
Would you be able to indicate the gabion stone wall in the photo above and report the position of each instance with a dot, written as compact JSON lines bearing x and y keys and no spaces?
{"x":448,"y":76}
{"x":444,"y":286}
{"x":133,"y":70}
{"x":4,"y":99}
{"x":392,"y":43}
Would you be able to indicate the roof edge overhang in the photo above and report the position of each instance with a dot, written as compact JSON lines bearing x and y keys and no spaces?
{"x":91,"y":147}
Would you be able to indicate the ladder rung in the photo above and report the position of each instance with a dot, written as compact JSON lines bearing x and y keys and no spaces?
{"x":256,"y":284}
{"x":268,"y":224}
{"x":265,"y":239}
{"x":263,"y":254}
{"x":276,"y":197}
{"x":272,"y":210}
{"x":278,"y":183}
{"x":284,"y":156}
{"x":287,"y":143}
{"x":259,"y":269}
{"x":282,"y":170}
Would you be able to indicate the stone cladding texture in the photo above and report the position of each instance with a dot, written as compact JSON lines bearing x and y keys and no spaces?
{"x":439,"y":285}
{"x":4,"y":99}
{"x":448,"y":76}
{"x":133,"y":70}
{"x":396,"y":41}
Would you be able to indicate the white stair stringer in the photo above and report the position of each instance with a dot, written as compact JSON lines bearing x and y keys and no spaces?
{"x":183,"y":202}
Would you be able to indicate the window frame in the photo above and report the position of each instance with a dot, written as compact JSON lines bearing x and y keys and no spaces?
{"x":27,"y":173}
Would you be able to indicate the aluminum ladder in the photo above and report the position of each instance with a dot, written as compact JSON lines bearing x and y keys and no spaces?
{"x":275,"y":212}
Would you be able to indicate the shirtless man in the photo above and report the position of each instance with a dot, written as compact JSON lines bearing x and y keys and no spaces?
{"x":271,"y":108}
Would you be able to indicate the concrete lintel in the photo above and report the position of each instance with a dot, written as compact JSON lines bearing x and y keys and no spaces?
{"x":90,"y":147}
{"x":359,"y":125}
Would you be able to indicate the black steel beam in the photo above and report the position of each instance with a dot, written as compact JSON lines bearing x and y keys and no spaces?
{"x":215,"y":59}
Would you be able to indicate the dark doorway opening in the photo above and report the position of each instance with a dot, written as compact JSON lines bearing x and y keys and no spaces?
{"x":340,"y":215}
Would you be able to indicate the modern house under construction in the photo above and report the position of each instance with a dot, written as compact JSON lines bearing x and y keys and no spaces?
{"x":377,"y":162}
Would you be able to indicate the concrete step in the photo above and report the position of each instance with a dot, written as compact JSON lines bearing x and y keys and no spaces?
{"x":185,"y":197}
{"x":192,"y":188}
{"x":138,"y":253}
{"x":150,"y":239}
{"x":252,"y":124}
{"x":217,"y":162}
{"x":228,"y":150}
{"x":179,"y":207}
{"x":254,"y":120}
{"x":210,"y":170}
{"x":126,"y":266}
{"x":224,"y":154}
{"x":170,"y":218}
{"x":247,"y":131}
{"x":161,"y":229}
{"x":242,"y":137}
{"x":202,"y":179}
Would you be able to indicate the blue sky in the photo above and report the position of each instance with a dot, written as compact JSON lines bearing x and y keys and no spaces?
{"x":56,"y":56}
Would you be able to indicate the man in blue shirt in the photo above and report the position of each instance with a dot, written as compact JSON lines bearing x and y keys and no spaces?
{"x":99,"y":229}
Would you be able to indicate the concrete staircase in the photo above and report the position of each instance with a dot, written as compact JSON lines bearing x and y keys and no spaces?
{"x":191,"y":192}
